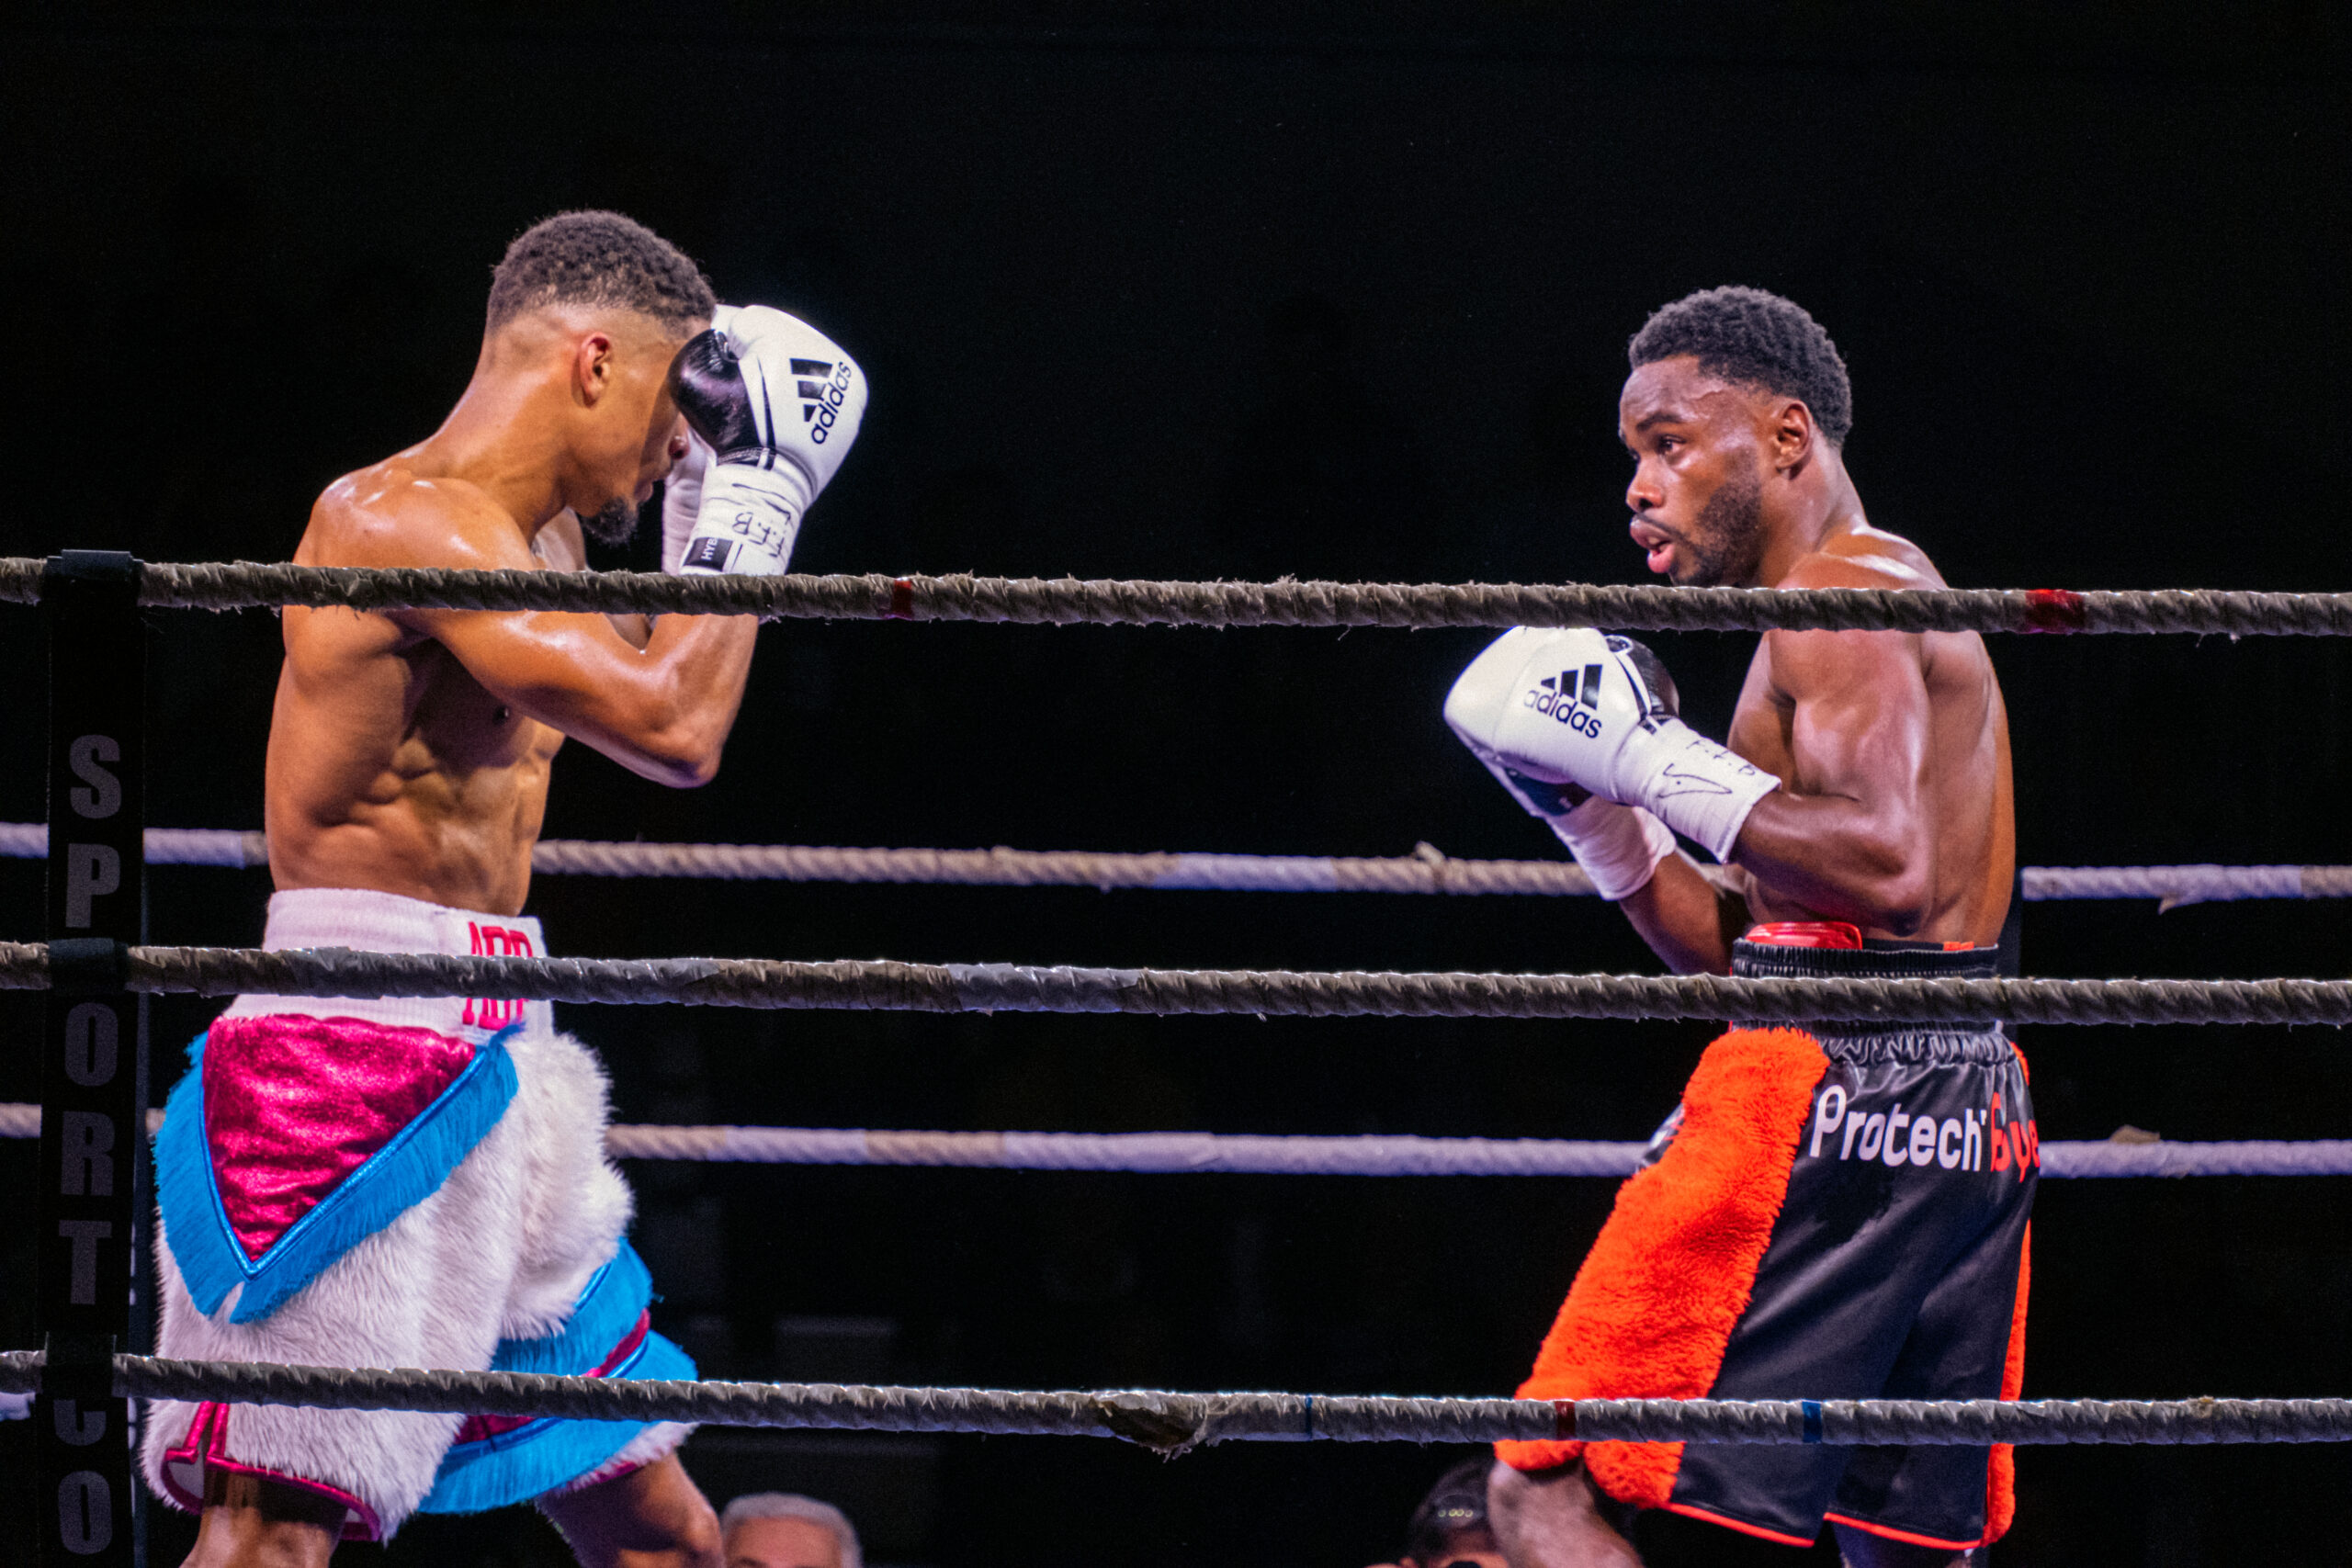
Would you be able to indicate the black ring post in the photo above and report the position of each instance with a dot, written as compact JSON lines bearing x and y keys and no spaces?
{"x":93,"y":1175}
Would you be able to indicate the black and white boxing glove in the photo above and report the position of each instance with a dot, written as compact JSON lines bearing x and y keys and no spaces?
{"x":771,"y":407}
{"x":1573,"y":721}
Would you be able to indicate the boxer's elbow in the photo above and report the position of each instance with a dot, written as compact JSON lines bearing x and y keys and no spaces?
{"x":1896,"y":893}
{"x":683,"y":757}
{"x":672,"y":743}
{"x":1901,"y":910}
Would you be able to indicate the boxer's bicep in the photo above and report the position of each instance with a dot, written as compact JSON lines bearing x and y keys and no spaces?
{"x":1859,"y":717}
{"x":1846,"y":838}
{"x":576,"y":673}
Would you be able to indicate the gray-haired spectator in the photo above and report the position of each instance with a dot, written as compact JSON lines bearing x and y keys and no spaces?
{"x":784,"y":1529}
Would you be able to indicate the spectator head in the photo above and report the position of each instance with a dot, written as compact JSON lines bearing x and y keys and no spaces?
{"x":782,"y":1530}
{"x":1449,"y":1530}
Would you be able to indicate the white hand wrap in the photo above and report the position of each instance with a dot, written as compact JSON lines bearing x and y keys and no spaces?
{"x":682,"y":502}
{"x":682,"y":493}
{"x":1618,"y":846}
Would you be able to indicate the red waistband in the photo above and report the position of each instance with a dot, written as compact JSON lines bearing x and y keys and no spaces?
{"x":1821,"y":933}
{"x":1806,"y":933}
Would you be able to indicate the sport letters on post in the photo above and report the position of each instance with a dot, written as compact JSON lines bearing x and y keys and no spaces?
{"x":93,"y":1176}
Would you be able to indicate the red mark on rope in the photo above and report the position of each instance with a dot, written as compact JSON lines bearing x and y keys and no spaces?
{"x":903,"y":600}
{"x":2054,"y":610}
{"x":1564,"y":1420}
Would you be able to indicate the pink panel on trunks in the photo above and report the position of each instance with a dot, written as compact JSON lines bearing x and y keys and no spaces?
{"x":293,"y":1104}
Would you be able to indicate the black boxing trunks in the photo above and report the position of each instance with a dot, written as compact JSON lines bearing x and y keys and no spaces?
{"x":1833,"y":1212}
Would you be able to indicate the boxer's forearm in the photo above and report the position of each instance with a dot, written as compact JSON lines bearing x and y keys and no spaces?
{"x":1688,"y":918}
{"x":661,"y":711}
{"x":1839,"y":859}
{"x":695,"y":669}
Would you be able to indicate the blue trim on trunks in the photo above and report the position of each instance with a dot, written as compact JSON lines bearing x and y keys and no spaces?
{"x":516,"y":1465}
{"x":409,"y":1169}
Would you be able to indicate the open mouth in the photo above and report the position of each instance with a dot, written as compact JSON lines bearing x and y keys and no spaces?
{"x":1656,"y":541}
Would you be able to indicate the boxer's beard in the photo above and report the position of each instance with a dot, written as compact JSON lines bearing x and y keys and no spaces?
{"x":1727,"y":540}
{"x":616,"y":524}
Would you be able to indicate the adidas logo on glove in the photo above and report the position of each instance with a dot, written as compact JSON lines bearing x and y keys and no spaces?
{"x":1571,"y":700}
{"x":820,"y":400}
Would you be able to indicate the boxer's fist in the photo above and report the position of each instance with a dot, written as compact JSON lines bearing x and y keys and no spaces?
{"x":778,"y":404}
{"x":1581,"y":712}
{"x":1619,"y":847}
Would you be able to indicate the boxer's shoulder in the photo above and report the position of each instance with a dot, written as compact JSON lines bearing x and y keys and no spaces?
{"x":396,"y":514}
{"x":1789,"y":662}
{"x":1863,"y":557}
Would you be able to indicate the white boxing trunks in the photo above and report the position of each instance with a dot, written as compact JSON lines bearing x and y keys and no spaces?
{"x":403,"y":1182}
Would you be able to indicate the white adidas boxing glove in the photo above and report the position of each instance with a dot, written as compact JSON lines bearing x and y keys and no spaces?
{"x":776,"y":405}
{"x":1619,"y":847}
{"x":1572,"y":706}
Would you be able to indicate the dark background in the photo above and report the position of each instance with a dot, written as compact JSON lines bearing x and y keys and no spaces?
{"x":1239,"y":290}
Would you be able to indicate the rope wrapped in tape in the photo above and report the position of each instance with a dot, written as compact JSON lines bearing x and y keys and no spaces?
{"x":1376,"y":1155}
{"x":1426,"y":870}
{"x":882,"y":984}
{"x":1173,"y":1423}
{"x":1068,"y":601}
{"x":1373,"y":1154}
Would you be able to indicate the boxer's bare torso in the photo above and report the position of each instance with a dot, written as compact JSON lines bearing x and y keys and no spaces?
{"x":1916,"y":720}
{"x":410,"y":751}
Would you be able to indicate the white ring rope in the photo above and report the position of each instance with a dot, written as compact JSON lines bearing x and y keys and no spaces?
{"x":1425,"y":871}
{"x":1231,"y":1153}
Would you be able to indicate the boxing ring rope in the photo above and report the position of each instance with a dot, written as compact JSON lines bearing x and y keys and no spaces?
{"x":1426,"y":870}
{"x":1372,"y":1154}
{"x":247,"y":585}
{"x":884,"y":985}
{"x":1174,"y":1423}
{"x":96,"y":688}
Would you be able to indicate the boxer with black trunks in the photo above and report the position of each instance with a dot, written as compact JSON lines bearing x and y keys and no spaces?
{"x":375,"y":1182}
{"x":1832,"y":1213}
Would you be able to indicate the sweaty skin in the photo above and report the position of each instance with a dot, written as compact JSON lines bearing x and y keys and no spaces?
{"x":1896,"y":813}
{"x":409,"y":751}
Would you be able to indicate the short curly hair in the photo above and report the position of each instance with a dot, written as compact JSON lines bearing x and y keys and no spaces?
{"x":1760,"y":339}
{"x":599,"y":258}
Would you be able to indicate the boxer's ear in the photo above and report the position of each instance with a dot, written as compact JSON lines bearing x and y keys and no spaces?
{"x":1790,"y":432}
{"x":592,"y":369}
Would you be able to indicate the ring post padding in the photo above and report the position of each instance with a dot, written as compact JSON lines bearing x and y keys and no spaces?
{"x":91,"y":1188}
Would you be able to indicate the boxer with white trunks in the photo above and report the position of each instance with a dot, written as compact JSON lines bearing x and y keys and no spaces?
{"x":423,"y":1183}
{"x":1832,"y":1213}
